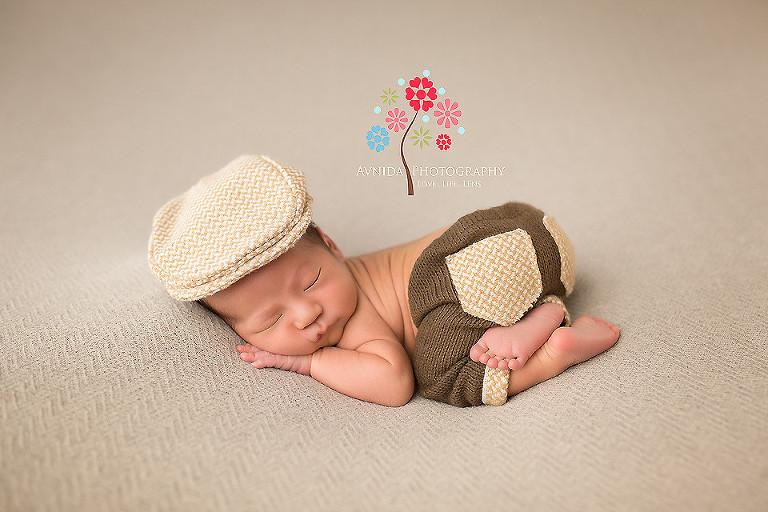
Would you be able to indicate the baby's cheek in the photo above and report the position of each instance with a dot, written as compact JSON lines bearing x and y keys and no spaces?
{"x":268,"y":347}
{"x":254,"y":343}
{"x":349,"y":294}
{"x":284,"y":342}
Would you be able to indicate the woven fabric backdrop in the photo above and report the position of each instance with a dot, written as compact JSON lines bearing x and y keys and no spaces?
{"x":641,"y":126}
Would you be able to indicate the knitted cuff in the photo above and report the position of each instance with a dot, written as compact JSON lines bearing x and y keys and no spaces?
{"x":495,"y":381}
{"x":495,"y":385}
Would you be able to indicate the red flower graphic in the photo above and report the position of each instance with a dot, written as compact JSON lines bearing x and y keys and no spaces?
{"x":443,"y":141}
{"x":423,"y":89}
{"x":447,"y":113}
{"x":396,"y":120}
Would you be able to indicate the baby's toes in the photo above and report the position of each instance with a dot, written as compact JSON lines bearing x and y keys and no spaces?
{"x":607,"y":324}
{"x":477,"y":351}
{"x":512,"y":364}
{"x":508,"y":364}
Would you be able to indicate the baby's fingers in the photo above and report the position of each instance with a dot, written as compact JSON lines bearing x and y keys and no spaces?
{"x":250,"y":354}
{"x":264,"y":359}
{"x":248,"y":357}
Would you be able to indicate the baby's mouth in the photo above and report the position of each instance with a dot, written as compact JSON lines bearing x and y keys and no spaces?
{"x":320,"y":333}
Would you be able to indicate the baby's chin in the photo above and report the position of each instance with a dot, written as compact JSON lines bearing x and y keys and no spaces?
{"x":334,"y":334}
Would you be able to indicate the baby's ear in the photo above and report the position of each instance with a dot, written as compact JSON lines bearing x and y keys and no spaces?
{"x":331,"y":244}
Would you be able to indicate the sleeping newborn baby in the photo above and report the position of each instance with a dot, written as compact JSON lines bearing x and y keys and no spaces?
{"x":469,"y":314}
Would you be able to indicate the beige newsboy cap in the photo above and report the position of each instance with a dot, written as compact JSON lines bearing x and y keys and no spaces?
{"x":227,"y":225}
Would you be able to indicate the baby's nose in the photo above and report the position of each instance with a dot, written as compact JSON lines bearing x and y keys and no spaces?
{"x":306,"y":313}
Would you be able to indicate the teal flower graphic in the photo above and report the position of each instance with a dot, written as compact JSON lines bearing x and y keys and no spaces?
{"x":378,"y":138}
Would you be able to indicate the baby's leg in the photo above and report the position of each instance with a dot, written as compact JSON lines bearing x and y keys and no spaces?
{"x":509,"y":347}
{"x":587,"y":337}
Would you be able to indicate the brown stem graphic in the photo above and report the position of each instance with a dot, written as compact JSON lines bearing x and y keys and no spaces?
{"x":402,"y":155}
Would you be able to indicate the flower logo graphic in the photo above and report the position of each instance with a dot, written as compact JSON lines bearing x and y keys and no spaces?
{"x":447,"y":113}
{"x":421,"y":137}
{"x":443,"y":141}
{"x":421,"y":89}
{"x":389,"y":96}
{"x":378,"y":138}
{"x":396,"y":120}
{"x":421,"y":95}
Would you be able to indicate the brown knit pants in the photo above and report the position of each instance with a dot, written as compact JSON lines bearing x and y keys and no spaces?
{"x":489,"y":268}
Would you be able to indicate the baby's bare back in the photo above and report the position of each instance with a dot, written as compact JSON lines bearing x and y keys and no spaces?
{"x":383,"y":278}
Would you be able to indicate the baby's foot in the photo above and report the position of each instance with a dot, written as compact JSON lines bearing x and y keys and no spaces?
{"x":587,"y":337}
{"x":509,"y":347}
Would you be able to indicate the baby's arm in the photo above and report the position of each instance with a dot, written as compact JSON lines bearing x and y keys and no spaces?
{"x":377,"y":371}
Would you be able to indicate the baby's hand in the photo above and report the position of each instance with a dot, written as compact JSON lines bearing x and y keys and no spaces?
{"x":263,"y":359}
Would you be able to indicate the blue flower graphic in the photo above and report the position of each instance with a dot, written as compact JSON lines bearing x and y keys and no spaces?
{"x":378,"y":138}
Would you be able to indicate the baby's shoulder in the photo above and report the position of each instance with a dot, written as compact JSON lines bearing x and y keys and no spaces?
{"x":383,"y":278}
{"x":364,"y":325}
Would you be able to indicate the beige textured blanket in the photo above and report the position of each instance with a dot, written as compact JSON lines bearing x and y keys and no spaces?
{"x":641,"y":126}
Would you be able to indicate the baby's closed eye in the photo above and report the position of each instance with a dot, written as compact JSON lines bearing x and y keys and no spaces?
{"x":314,"y":281}
{"x":276,"y":320}
{"x":270,"y":325}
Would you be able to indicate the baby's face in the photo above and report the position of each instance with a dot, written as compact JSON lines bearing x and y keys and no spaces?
{"x":294,"y":305}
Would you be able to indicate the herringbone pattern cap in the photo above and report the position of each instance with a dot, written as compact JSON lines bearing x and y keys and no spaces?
{"x":227,"y":225}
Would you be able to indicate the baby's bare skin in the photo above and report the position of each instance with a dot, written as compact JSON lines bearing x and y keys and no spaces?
{"x":536,"y":348}
{"x":383,"y":276}
{"x":508,"y":348}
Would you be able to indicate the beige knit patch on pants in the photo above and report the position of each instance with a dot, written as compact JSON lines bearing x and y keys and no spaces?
{"x":567,"y":258}
{"x":497,"y":278}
